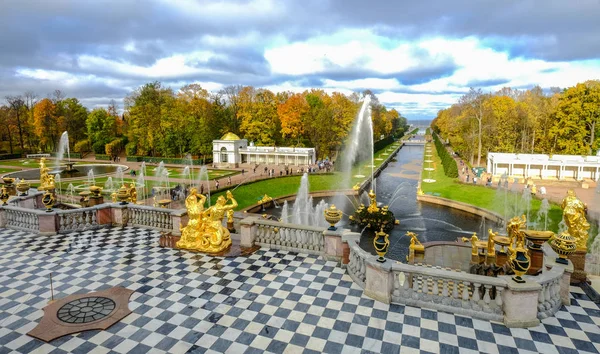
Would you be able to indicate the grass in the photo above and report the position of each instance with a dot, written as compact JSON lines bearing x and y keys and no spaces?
{"x":248,"y":194}
{"x":481,"y":196}
{"x":178,"y":173}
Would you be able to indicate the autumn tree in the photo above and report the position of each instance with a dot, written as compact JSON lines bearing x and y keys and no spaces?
{"x":46,"y":124}
{"x":291,"y":114}
{"x":258,"y":115}
{"x":101,"y":129}
{"x":18,"y":110}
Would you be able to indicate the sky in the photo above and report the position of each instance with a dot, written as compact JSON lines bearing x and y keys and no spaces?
{"x":416,"y":56}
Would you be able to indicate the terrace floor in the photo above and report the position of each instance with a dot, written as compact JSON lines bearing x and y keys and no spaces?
{"x":272,"y":301}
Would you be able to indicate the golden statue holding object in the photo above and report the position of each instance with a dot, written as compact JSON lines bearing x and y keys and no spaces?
{"x":204,"y":231}
{"x":132,"y":193}
{"x":46,"y":179}
{"x":491,"y":246}
{"x":415,"y":244}
{"x":515,"y":235}
{"x":373,"y":205}
{"x":474,"y":244}
{"x":574,"y":216}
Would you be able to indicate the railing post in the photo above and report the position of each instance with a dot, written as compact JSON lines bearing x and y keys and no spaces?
{"x":104,"y":216}
{"x":48,"y":223}
{"x":347,"y":236}
{"x":119,"y":216}
{"x":333,"y":244}
{"x":248,"y":232}
{"x":2,"y":217}
{"x":180,"y":219}
{"x":565,"y":280}
{"x":380,"y":282}
{"x":520,"y":304}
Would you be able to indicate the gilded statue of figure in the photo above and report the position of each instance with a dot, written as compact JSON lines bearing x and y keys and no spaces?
{"x":491,"y":246}
{"x":415,"y":244}
{"x":217,"y":235}
{"x":574,"y":218}
{"x":132,"y":193}
{"x":373,"y":205}
{"x":191,"y":234}
{"x":474,"y":239}
{"x":515,"y":235}
{"x":204,"y":231}
{"x":46,"y":182}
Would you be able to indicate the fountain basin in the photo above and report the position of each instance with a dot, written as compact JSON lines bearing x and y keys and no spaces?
{"x":81,"y":172}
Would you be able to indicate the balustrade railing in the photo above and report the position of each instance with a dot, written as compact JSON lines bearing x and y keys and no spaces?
{"x":77,"y":219}
{"x":140,"y":215}
{"x":356,"y":266}
{"x":21,"y":218}
{"x":300,"y":238}
{"x":549,"y":300}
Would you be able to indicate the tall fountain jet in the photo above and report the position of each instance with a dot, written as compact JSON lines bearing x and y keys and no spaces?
{"x":63,"y":146}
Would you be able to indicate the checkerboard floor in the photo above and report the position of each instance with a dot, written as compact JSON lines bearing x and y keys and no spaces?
{"x":272,"y":301}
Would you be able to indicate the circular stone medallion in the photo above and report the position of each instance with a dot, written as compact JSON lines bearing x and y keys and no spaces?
{"x":85,"y":310}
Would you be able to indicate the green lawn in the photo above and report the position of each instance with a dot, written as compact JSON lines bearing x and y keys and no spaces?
{"x":178,"y":173}
{"x":481,"y":196}
{"x":35,"y":163}
{"x":248,"y":194}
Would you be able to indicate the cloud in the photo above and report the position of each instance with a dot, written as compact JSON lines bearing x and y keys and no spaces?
{"x":417,"y":56}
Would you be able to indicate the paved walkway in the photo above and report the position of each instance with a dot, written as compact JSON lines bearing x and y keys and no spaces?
{"x":272,"y":301}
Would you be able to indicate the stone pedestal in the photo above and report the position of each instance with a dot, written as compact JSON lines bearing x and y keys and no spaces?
{"x":96,"y":200}
{"x":537,"y":259}
{"x":579,"y":274}
{"x":48,"y":224}
{"x":333,"y":244}
{"x":180,"y":220}
{"x":104,"y":216}
{"x":248,"y":230}
{"x":521,"y":304}
{"x":380,"y":282}
{"x":119,"y":215}
{"x":501,"y":258}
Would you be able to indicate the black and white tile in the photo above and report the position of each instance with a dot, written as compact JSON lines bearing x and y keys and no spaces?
{"x":272,"y":301}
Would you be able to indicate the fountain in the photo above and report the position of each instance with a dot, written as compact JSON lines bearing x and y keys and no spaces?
{"x":304,"y":211}
{"x":187,"y":174}
{"x":91,"y":180}
{"x":63,"y":146}
{"x":141,"y":183}
{"x":204,"y":183}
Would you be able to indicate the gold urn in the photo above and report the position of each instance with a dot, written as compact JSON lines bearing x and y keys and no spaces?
{"x":48,"y":201}
{"x":123,"y":194}
{"x":8,"y":181}
{"x":95,"y":191}
{"x":23,"y":187}
{"x":333,"y":216}
{"x":381,"y":243}
{"x":519,"y":261}
{"x":564,"y":245}
{"x":84,"y":201}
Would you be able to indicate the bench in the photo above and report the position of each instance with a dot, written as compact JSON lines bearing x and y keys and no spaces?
{"x":33,"y":156}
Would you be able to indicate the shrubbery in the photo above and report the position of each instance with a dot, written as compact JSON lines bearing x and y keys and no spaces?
{"x":450,"y":168}
{"x":378,"y":145}
{"x":167,"y":160}
{"x":102,"y":157}
{"x":98,"y":147}
{"x":82,"y":146}
{"x":113,"y":148}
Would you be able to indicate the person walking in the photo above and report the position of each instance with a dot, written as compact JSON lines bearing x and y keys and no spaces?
{"x":216,"y":184}
{"x":229,"y":180}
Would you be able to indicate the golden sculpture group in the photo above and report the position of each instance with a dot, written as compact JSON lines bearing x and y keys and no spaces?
{"x":46,"y":179}
{"x":204,"y":231}
{"x":574,"y":217}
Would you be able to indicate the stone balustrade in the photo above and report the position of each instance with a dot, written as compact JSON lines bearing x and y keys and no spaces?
{"x":19,"y":218}
{"x":299,"y":238}
{"x":146,"y":216}
{"x":477,"y":296}
{"x":77,"y":219}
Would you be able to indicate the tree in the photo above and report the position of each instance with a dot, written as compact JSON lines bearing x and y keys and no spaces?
{"x":473,"y":104}
{"x":291,"y":114}
{"x":258,"y":115}
{"x":72,"y":118}
{"x":46,"y":123}
{"x":17,"y":108}
{"x":101,"y":129}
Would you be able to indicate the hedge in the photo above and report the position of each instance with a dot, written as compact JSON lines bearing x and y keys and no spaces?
{"x":102,"y":157}
{"x":10,"y":156}
{"x":167,"y":160}
{"x":450,"y":168}
{"x":378,"y":145}
{"x":73,"y":155}
{"x":414,"y":131}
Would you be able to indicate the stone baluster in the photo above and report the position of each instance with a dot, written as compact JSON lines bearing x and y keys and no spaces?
{"x":435,"y":291}
{"x":499,"y":299}
{"x":476,"y":297}
{"x":396,"y":291}
{"x":465,"y":294}
{"x":487,"y":289}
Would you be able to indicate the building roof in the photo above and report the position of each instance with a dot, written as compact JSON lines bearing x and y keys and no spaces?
{"x":230,"y":136}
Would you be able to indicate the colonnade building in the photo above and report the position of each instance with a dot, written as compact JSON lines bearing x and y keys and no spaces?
{"x":231,"y":151}
{"x":558,"y":167}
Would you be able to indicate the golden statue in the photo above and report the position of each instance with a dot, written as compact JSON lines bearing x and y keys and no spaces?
{"x":515,"y":235}
{"x":194,"y":204}
{"x":230,"y":216}
{"x":132,"y":193}
{"x":474,"y":239}
{"x":373,"y":206}
{"x":204,"y":231}
{"x":574,"y":218}
{"x":415,"y":244}
{"x":46,"y":179}
{"x":491,"y":246}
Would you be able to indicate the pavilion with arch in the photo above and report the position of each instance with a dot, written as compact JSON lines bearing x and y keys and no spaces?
{"x":231,"y":151}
